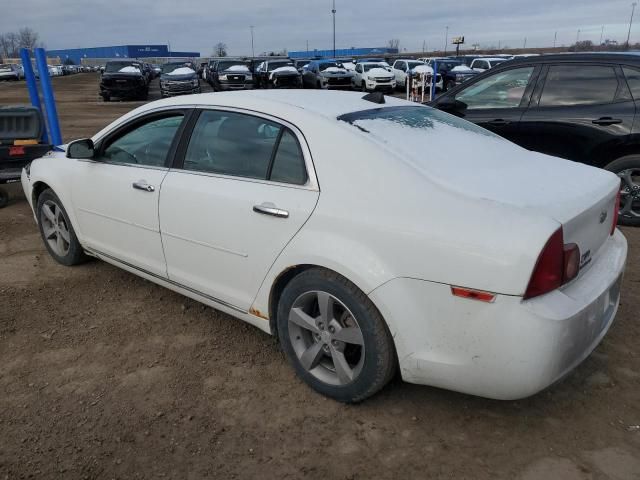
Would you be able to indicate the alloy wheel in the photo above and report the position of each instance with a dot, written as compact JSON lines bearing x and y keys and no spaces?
{"x":55,"y":228}
{"x":326,"y":338}
{"x":630,"y":193}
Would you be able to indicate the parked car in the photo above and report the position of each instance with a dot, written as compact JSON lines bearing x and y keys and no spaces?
{"x":123,"y":79}
{"x":178,"y":78}
{"x":280,"y":73}
{"x":401,"y":69}
{"x":371,"y":272}
{"x":21,"y":132}
{"x":485,"y":63}
{"x":581,"y":107}
{"x":369,"y":76}
{"x":453,"y":72}
{"x":327,"y":74}
{"x":230,"y":74}
{"x":11,"y":71}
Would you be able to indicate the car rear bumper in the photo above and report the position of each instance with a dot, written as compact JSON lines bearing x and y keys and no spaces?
{"x":125,"y":92}
{"x":511,"y":348}
{"x":226,"y":86}
{"x":173,"y":93}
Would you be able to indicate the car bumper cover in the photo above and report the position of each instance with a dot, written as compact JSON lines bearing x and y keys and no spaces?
{"x":511,"y":348}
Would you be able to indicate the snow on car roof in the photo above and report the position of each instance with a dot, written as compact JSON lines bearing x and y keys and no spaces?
{"x":330,"y":104}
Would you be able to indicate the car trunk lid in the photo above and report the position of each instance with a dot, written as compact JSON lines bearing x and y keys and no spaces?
{"x":473,"y":162}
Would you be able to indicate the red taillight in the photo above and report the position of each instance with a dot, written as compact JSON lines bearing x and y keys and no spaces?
{"x":16,"y":151}
{"x":616,"y":212}
{"x":557,"y":264}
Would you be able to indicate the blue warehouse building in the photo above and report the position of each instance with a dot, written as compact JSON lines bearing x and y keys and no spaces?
{"x":345,"y":52}
{"x":119,"y":51}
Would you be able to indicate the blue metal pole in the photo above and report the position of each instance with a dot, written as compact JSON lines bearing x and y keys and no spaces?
{"x":47,"y":96}
{"x":32,"y":86}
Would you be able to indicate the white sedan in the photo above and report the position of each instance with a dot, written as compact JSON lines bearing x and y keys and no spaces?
{"x":491,"y":270}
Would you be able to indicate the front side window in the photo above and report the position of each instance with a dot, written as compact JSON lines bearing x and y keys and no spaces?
{"x":235,"y":144}
{"x":145,"y":144}
{"x":501,"y":90}
{"x":568,"y":85}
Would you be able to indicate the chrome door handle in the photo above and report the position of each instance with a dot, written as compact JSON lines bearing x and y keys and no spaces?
{"x":142,"y":185}
{"x":271,"y":210}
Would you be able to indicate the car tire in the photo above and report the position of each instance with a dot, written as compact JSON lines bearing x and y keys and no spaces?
{"x":56,"y":230}
{"x":449,"y":85}
{"x":628,"y":169}
{"x":106,"y":98}
{"x":348,"y":371}
{"x":363,"y":87}
{"x":4,"y":198}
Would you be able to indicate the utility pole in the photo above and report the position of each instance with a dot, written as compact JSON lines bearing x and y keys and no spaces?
{"x":555,"y":38}
{"x":601,"y":34}
{"x":633,"y":9}
{"x":424,"y":46}
{"x":446,"y":40}
{"x":253,"y":54}
{"x":307,"y":47}
{"x":333,"y":11}
{"x":525,"y":43}
{"x":577,"y":38}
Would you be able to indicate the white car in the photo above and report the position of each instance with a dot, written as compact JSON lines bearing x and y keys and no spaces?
{"x":401,"y":69}
{"x":441,"y":267}
{"x":11,"y":71}
{"x":370,"y":76}
{"x":485,"y":63}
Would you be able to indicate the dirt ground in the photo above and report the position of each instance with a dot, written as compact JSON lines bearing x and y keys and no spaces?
{"x":105,"y":375}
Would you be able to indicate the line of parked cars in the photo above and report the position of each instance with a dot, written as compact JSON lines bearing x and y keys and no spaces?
{"x":15,"y":71}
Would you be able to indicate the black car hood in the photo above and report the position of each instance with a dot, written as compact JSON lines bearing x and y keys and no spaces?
{"x":179,"y":78}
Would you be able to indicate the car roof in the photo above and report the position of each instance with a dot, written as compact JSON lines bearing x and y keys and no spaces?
{"x":329,"y":104}
{"x":491,"y":59}
{"x":579,"y":57}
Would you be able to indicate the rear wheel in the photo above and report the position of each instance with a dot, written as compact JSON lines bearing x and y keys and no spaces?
{"x":4,"y":198}
{"x":449,"y":85}
{"x":628,"y":169}
{"x":334,"y":337}
{"x":56,"y":230}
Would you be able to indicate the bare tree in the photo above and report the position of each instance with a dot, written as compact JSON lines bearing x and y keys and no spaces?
{"x":220,"y":49}
{"x":394,"y":43}
{"x":28,"y":38}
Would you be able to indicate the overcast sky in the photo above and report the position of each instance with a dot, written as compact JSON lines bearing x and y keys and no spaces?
{"x":200,"y":24}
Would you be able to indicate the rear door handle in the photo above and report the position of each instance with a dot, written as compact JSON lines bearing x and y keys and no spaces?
{"x":270,"y":209}
{"x":499,"y":121}
{"x":606,"y":121}
{"x":142,"y":185}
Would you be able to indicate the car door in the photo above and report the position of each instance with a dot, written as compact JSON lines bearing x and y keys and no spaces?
{"x":578,"y":111}
{"x":242,"y":188}
{"x":115,"y":195}
{"x":495,"y":102}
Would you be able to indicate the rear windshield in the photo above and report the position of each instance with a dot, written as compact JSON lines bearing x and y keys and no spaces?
{"x":412,"y":117}
{"x":282,"y":63}
{"x":223,"y":65}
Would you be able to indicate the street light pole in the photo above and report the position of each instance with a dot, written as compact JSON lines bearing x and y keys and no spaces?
{"x":333,"y":11}
{"x":253,"y":53}
{"x":601,"y":34}
{"x":555,"y":38}
{"x":446,"y":40}
{"x":633,"y":8}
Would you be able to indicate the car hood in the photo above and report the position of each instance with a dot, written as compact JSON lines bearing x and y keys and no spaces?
{"x":485,"y":167}
{"x":379,"y":72}
{"x":178,"y":78}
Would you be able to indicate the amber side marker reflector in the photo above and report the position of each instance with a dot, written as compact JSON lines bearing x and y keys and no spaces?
{"x":473,"y":294}
{"x":29,"y":141}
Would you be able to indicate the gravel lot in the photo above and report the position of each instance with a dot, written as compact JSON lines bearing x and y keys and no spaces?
{"x":105,"y":375}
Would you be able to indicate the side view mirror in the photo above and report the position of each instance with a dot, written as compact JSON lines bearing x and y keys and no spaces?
{"x":450,"y":104}
{"x":81,"y":149}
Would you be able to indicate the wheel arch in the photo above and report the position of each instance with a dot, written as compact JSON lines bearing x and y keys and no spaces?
{"x":606,"y":154}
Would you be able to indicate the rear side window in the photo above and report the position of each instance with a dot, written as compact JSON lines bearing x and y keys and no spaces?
{"x":633,"y":80}
{"x":240,"y":145}
{"x":288,"y":163}
{"x":568,"y":85}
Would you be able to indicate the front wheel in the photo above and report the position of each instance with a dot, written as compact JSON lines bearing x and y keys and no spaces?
{"x":4,"y":198}
{"x":628,"y":169}
{"x":56,"y":230}
{"x":335,"y":338}
{"x":363,"y":87}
